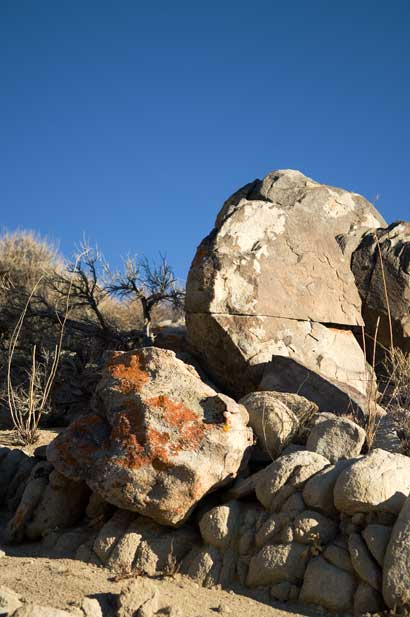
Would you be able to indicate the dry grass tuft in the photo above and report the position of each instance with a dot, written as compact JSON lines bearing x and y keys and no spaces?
{"x":396,"y":398}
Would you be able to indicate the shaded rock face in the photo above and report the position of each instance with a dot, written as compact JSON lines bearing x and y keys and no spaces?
{"x":160,"y":440}
{"x":368,"y":266}
{"x":265,"y":275}
{"x":396,"y":573}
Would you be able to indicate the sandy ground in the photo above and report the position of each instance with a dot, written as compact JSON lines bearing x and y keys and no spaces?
{"x":8,"y":439}
{"x":63,"y":583}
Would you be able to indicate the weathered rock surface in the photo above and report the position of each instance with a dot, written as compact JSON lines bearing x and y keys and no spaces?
{"x":290,"y":469}
{"x":62,"y":504}
{"x":377,"y":538}
{"x":310,"y":526}
{"x":367,"y":600}
{"x":278,"y":562}
{"x":10,"y":601}
{"x":363,"y":563}
{"x":335,"y":438}
{"x":218,"y":526}
{"x":326,"y":585}
{"x":272,"y":421}
{"x":263,"y":276}
{"x":318,"y":490}
{"x":392,"y":263}
{"x":396,"y":566}
{"x":160,"y":440}
{"x":379,"y":481}
{"x":288,"y":374}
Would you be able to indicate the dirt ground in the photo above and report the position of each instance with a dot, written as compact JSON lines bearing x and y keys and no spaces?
{"x":63,"y":583}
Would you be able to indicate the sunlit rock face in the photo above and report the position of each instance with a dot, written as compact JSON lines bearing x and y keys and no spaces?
{"x":270,"y":273}
{"x":160,"y":438}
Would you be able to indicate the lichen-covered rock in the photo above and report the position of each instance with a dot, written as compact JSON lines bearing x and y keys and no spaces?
{"x":272,"y":421}
{"x":336,"y":437}
{"x":396,"y":565}
{"x":246,"y":289}
{"x":326,"y":585}
{"x":383,"y":258}
{"x":380,"y":481}
{"x":278,"y":562}
{"x":291,"y":470}
{"x":160,"y":440}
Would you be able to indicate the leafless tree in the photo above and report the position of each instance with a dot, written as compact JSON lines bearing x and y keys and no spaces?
{"x":150,"y":284}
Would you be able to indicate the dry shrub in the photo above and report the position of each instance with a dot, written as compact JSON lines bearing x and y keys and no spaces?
{"x":396,"y":397}
{"x":24,"y":257}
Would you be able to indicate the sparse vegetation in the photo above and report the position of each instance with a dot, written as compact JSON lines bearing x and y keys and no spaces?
{"x":397,"y":394}
{"x":43,"y":297}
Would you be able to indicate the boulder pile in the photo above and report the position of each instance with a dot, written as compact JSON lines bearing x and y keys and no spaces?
{"x":250,"y":461}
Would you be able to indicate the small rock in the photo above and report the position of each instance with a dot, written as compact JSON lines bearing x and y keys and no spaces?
{"x":292,"y":470}
{"x":284,"y":591}
{"x":310,"y":527}
{"x":9,"y":601}
{"x":326,"y":585}
{"x":204,"y":565}
{"x":396,"y":571}
{"x":294,"y":505}
{"x":271,"y":420}
{"x":138,"y":598}
{"x":339,"y":557}
{"x":363,"y":562}
{"x":335,"y":437}
{"x":318,"y":490}
{"x":219,"y":525}
{"x":277,"y":563}
{"x":367,"y":600}
{"x":270,"y":529}
{"x":377,"y":538}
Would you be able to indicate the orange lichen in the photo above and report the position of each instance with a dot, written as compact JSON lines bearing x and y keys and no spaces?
{"x":174,"y":414}
{"x":129,"y":370}
{"x":77,"y":445}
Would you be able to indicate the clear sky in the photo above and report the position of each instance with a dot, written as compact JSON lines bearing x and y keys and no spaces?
{"x":132,"y":121}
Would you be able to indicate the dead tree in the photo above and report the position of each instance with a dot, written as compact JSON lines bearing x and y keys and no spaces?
{"x":148,"y":283}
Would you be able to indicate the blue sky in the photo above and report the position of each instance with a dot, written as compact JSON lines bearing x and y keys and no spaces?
{"x":132,"y":121}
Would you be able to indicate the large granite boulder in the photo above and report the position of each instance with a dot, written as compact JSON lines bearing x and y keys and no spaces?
{"x":267,"y":281}
{"x":160,"y":438}
{"x":378,"y":482}
{"x":383,"y":257}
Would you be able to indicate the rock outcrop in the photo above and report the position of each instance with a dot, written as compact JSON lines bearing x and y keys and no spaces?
{"x":381,"y":265}
{"x":267,"y":281}
{"x":160,"y":438}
